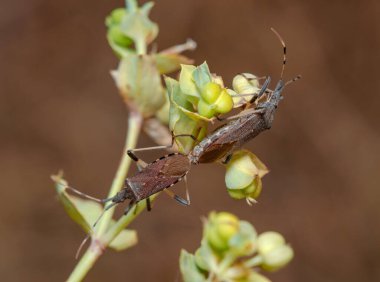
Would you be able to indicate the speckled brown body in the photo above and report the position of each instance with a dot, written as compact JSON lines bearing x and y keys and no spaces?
{"x":158,"y":175}
{"x":223,"y":141}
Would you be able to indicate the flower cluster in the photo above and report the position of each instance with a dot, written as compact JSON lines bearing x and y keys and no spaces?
{"x":231,"y":250}
{"x":138,"y":77}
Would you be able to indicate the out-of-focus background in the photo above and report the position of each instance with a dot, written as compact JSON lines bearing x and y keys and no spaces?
{"x":59,"y":108}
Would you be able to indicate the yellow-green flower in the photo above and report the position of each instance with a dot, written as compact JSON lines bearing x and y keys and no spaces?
{"x":243,"y":176}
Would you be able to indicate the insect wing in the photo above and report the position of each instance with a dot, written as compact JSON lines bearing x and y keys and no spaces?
{"x":159,"y":175}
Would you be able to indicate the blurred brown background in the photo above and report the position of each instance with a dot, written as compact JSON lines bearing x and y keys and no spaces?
{"x":60,"y":109}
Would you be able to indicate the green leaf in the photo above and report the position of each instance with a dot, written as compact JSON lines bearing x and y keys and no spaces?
{"x":83,"y":212}
{"x":190,"y":271}
{"x":125,"y":239}
{"x":202,"y":76}
{"x":181,"y":119}
{"x":186,"y":81}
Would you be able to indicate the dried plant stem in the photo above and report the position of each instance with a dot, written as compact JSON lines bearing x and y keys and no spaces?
{"x":98,"y":244}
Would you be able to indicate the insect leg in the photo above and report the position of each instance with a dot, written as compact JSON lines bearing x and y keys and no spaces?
{"x":227,"y":159}
{"x":148,"y":205}
{"x":246,"y":112}
{"x":262,"y":91}
{"x":140,"y":163}
{"x":130,"y":205}
{"x":182,"y":201}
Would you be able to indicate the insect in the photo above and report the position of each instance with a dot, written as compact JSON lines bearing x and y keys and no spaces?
{"x":152,"y":178}
{"x":245,"y":126}
{"x":219,"y":145}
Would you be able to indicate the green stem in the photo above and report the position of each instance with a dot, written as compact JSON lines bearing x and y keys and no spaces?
{"x":96,"y":248}
{"x":85,"y":264}
{"x":124,"y":221}
{"x":134,"y":127}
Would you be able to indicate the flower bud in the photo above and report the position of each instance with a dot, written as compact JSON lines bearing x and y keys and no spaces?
{"x":221,"y":227}
{"x":117,"y":36}
{"x":273,"y":250}
{"x":214,"y":100}
{"x":116,"y":16}
{"x":211,"y":92}
{"x":245,"y":83}
{"x":205,"y":110}
{"x":224,"y":104}
{"x":243,"y":175}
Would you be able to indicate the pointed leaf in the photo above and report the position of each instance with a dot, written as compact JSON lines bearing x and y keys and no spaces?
{"x":186,"y":81}
{"x":83,"y":212}
{"x":125,"y":239}
{"x":202,"y":75}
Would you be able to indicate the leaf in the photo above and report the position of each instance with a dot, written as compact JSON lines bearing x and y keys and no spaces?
{"x":83,"y":212}
{"x":186,"y":81}
{"x":167,"y":63}
{"x":125,"y":239}
{"x":189,"y":270}
{"x":181,"y":119}
{"x":202,"y":75}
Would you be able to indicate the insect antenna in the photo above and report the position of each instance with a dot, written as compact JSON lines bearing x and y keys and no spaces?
{"x":284,"y":48}
{"x":83,"y":194}
{"x":93,"y":227}
{"x":293,"y":80}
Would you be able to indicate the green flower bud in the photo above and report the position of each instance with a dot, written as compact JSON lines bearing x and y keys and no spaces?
{"x":243,"y":176}
{"x":221,"y":227}
{"x":224,"y":104}
{"x":116,"y":16}
{"x":211,"y":92}
{"x":205,"y":109}
{"x":274,"y":251}
{"x":143,"y":92}
{"x":117,"y":36}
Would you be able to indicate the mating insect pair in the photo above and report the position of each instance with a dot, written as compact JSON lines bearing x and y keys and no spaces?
{"x":218,"y":146}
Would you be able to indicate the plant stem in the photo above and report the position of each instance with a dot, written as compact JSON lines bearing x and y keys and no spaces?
{"x":134,"y":127}
{"x":96,"y":249}
{"x":85,"y":264}
{"x":124,"y":221}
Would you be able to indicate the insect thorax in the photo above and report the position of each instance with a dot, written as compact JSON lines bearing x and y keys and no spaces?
{"x":202,"y":147}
